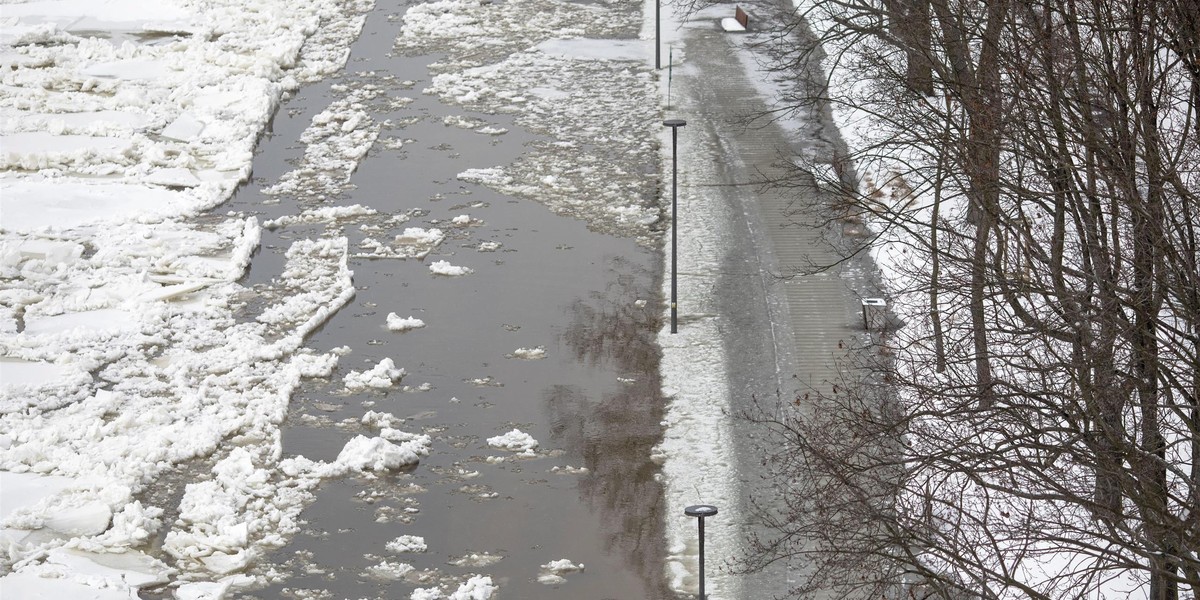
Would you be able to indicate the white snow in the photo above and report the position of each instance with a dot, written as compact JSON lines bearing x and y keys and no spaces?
{"x":414,"y":242}
{"x":476,"y":559}
{"x":326,"y":214}
{"x":380,"y":420}
{"x":111,"y":15}
{"x":478,"y":587}
{"x":420,"y":237}
{"x":732,"y":25}
{"x":493,"y":175}
{"x":337,"y":141}
{"x":17,"y":375}
{"x":594,"y":49}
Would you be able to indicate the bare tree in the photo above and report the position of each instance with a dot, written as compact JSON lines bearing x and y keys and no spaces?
{"x":1032,"y":431}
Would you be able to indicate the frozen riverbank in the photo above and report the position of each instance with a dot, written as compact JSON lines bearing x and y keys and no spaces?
{"x":123,"y":356}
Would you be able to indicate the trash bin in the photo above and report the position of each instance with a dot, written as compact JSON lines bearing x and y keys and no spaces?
{"x":874,"y":313}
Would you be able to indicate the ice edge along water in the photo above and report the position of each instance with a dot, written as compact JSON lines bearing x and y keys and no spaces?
{"x":699,"y":465}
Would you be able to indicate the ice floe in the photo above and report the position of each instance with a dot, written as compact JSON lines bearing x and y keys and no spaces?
{"x":514,"y":441}
{"x":443,"y":267}
{"x":397,"y":323}
{"x":382,"y":376}
{"x":124,"y":356}
{"x":553,"y":572}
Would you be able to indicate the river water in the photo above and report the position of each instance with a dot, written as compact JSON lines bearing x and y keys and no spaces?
{"x":590,"y":300}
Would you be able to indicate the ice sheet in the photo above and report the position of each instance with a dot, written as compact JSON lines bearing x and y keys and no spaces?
{"x":29,"y":206}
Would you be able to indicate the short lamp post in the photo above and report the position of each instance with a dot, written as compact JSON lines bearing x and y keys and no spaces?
{"x":674,"y":124}
{"x":700,"y":511}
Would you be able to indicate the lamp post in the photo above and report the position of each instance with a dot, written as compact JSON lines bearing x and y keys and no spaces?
{"x":657,"y":34}
{"x":700,"y":511}
{"x":674,"y":124}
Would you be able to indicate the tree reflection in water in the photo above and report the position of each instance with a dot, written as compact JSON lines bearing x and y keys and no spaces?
{"x":614,"y":436}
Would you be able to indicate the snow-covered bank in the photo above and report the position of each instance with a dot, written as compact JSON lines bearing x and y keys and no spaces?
{"x":921,"y":194}
{"x":697,"y":453}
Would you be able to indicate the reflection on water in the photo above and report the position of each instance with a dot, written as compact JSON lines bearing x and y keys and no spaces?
{"x":620,"y":323}
{"x":614,"y":434}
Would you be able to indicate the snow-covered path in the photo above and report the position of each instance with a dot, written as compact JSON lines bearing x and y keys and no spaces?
{"x":754,"y":333}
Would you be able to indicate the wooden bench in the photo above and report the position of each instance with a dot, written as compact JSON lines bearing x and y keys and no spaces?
{"x":739,"y":23}
{"x":741,"y":17}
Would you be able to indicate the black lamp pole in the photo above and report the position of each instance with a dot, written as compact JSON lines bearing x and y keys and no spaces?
{"x":674,"y":124}
{"x":700,"y":511}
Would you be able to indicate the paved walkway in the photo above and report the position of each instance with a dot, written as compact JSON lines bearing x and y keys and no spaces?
{"x":781,"y":334}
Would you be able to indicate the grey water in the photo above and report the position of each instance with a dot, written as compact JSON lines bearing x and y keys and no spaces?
{"x":591,"y":300}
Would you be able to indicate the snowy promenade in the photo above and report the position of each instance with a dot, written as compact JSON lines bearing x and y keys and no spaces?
{"x":751,"y":327}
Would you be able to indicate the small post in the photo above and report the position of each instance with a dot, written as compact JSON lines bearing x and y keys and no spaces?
{"x":700,"y":511}
{"x":670,"y":71}
{"x":657,"y":34}
{"x":674,"y":124}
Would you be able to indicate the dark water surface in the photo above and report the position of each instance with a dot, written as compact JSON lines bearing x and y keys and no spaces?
{"x":590,"y":300}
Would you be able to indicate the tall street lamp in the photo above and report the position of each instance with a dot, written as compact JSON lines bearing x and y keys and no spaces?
{"x":657,"y":34}
{"x":674,"y":124}
{"x":700,"y":511}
